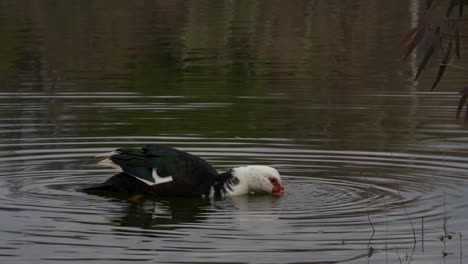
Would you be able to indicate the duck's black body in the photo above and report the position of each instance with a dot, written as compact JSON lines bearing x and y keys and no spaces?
{"x":190,"y":175}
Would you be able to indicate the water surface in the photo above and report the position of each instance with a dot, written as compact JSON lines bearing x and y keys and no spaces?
{"x":374,"y":165}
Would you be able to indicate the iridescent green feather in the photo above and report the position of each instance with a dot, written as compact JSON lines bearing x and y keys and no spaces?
{"x":181,"y":166}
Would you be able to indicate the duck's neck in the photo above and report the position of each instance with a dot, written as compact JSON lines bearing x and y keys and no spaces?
{"x":229,"y":183}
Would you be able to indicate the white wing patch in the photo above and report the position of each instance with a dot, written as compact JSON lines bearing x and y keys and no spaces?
{"x":158,"y":179}
{"x":109,"y":163}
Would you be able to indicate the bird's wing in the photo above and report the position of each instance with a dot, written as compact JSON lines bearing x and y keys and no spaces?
{"x":156,"y":164}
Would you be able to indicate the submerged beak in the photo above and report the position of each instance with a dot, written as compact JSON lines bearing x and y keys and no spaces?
{"x":278,"y":190}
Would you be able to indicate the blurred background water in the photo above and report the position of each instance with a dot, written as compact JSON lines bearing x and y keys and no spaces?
{"x":374,"y":165}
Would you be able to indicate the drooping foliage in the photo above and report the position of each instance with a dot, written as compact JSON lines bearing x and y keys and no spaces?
{"x":438,"y":40}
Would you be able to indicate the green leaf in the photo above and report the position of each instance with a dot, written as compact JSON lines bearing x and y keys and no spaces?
{"x":457,"y":40}
{"x":443,"y":65}
{"x":426,"y":58}
{"x":414,"y":42}
{"x":451,"y":6}
{"x":428,"y":4}
{"x":460,"y":7}
{"x":434,"y":39}
{"x":408,"y":35}
{"x":462,"y":101}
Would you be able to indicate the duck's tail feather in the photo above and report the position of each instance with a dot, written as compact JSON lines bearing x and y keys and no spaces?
{"x":106,"y":154}
{"x":110,"y":163}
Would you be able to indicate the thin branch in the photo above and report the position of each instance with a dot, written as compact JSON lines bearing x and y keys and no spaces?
{"x":445,"y":236}
{"x":399,"y":258}
{"x":455,"y":66}
{"x":422,"y":233}
{"x":369,"y":247}
{"x":457,"y":18}
{"x":409,"y":220}
{"x":371,"y":224}
{"x":461,"y":248}
{"x":446,"y":233}
{"x":450,"y":35}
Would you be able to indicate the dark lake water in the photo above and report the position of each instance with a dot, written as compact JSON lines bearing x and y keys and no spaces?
{"x":374,"y":164}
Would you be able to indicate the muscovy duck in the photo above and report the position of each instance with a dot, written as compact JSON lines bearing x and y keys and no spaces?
{"x":166,"y":171}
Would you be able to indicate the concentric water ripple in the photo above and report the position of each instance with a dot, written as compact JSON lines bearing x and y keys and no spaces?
{"x":333,"y":202}
{"x":373,"y":164}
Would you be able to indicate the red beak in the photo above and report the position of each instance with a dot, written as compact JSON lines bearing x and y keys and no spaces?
{"x":278,"y":189}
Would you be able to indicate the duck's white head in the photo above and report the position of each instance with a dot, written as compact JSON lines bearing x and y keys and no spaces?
{"x":257,"y":179}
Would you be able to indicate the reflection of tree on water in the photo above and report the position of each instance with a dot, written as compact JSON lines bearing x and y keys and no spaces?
{"x":150,"y":213}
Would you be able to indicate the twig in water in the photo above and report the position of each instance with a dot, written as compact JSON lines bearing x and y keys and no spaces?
{"x":370,"y":250}
{"x":386,"y":232}
{"x":446,"y":235}
{"x":445,"y":220}
{"x":412,"y":228}
{"x":461,"y":248}
{"x":422,"y":233}
{"x":399,"y":258}
{"x":370,"y":222}
{"x":408,"y":260}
